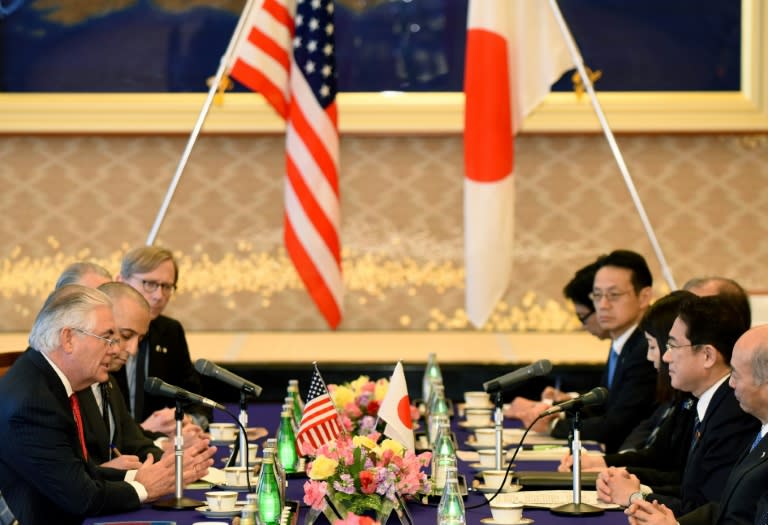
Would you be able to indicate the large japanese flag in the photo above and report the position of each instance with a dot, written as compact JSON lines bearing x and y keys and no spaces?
{"x":515,"y":52}
{"x":395,"y":410}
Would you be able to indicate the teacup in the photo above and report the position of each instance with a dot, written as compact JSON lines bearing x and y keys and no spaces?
{"x":493,"y":478}
{"x":222,"y":431}
{"x":236,"y":476}
{"x":506,"y":512}
{"x":221,"y":500}
{"x":253,"y":453}
{"x":478,"y":416}
{"x":485,"y":437}
{"x":476,"y":399}
{"x":488,"y":458}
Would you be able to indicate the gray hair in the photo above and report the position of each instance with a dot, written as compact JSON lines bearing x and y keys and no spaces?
{"x":117,"y":290}
{"x":73,"y":273}
{"x":70,"y":306}
{"x":145,"y":259}
{"x":760,"y":364}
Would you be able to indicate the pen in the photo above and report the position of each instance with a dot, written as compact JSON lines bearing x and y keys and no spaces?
{"x":115,"y":451}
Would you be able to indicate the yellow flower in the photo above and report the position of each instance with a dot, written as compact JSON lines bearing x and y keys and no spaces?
{"x":364,"y":441}
{"x":357,"y":384}
{"x":342,"y":395}
{"x":322,"y":468}
{"x":382,"y":385}
{"x":390,"y":444}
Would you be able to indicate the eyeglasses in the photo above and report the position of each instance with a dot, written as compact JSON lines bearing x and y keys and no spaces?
{"x":585,"y":317}
{"x":612,"y":297}
{"x":107,"y":341}
{"x":152,"y":286}
{"x":670,"y":346}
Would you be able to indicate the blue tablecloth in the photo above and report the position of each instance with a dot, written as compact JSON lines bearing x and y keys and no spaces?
{"x":267,"y":415}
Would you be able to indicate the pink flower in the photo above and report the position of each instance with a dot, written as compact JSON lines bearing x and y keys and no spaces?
{"x":314,"y":494}
{"x":352,"y":410}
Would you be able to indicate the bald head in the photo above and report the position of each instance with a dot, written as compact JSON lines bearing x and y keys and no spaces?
{"x":749,"y":378}
{"x":727,"y":289}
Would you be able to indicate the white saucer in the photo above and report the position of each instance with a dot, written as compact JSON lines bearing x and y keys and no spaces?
{"x":482,"y":487}
{"x":467,"y":424}
{"x":491,"y":521}
{"x":238,"y":488}
{"x":473,"y":444}
{"x":208,"y":513}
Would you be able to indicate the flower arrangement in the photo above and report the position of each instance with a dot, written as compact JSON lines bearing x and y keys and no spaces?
{"x":358,"y":402}
{"x":360,"y":475}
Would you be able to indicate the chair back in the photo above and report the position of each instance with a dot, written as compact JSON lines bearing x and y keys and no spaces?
{"x":6,"y":360}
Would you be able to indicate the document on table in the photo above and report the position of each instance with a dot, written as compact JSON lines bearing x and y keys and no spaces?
{"x":547,"y":499}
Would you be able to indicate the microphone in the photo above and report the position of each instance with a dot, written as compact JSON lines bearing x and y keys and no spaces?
{"x":596,"y":396}
{"x":209,"y":369}
{"x":158,"y":387}
{"x":539,"y":368}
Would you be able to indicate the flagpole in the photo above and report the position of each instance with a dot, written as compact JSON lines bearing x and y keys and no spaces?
{"x":578,"y":60}
{"x":200,"y":120}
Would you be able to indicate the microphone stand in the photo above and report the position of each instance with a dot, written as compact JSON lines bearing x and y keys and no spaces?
{"x":242,"y":435}
{"x":178,"y":502}
{"x":498,"y":419}
{"x":577,"y":508}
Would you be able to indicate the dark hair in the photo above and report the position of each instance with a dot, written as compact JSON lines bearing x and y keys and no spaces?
{"x":633,"y":261}
{"x":729,"y":290}
{"x":714,"y":321}
{"x":580,"y":286}
{"x":657,"y":321}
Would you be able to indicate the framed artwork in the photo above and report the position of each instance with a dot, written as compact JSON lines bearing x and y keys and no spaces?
{"x":78,"y":67}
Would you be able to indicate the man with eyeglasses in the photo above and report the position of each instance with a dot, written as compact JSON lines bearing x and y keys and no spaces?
{"x":621,"y":292}
{"x":163,"y":352}
{"x":745,"y":492}
{"x":46,"y":474}
{"x":699,"y":350}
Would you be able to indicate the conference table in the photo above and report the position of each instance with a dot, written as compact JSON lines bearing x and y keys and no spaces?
{"x":268,"y":415}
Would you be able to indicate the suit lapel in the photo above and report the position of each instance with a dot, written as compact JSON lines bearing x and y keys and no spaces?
{"x":748,"y":462}
{"x":95,"y":433}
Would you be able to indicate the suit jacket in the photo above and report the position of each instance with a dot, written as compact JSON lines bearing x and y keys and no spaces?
{"x":168,"y":360}
{"x":43,"y":475}
{"x":725,"y":433}
{"x":128,"y":436}
{"x":661,"y":465}
{"x":631,"y":398}
{"x":743,"y":500}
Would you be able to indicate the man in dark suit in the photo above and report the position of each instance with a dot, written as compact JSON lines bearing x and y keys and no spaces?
{"x":621,"y":292}
{"x":163,"y":352}
{"x":46,"y":475}
{"x":115,"y":439}
{"x":743,"y":497}
{"x":698,"y":352}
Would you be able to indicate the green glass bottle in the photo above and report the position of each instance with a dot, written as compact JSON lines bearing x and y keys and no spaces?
{"x":286,"y":443}
{"x":450,"y":511}
{"x":298,"y":403}
{"x":282,"y":480}
{"x":270,"y":505}
{"x":431,"y":374}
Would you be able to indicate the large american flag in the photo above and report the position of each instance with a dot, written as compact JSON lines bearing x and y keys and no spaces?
{"x":319,"y":421}
{"x":290,"y":60}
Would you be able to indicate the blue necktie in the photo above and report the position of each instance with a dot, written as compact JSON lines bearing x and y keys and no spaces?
{"x":696,"y":434}
{"x":613,"y":358}
{"x":758,"y":437}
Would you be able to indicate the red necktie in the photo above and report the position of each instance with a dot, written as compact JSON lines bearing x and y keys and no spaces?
{"x":78,"y":423}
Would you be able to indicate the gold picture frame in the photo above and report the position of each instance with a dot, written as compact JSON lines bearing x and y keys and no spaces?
{"x":739,"y":111}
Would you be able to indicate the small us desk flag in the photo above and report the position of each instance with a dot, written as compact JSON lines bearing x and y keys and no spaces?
{"x":395,"y":410}
{"x":319,"y":421}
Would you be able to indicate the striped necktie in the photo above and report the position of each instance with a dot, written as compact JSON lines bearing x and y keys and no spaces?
{"x":78,"y":423}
